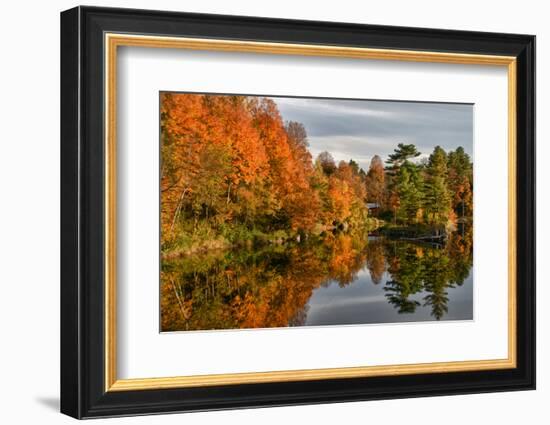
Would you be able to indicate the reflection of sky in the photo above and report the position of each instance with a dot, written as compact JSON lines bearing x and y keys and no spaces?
{"x":360,"y":129}
{"x":363,"y":302}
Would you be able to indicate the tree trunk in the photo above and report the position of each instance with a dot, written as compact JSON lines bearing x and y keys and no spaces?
{"x":178,"y":209}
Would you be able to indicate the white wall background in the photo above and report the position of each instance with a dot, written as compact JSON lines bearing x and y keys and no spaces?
{"x":29,"y":213}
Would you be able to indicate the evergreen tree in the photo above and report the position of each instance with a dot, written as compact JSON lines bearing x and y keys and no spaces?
{"x":437,"y":163}
{"x":401,"y":155}
{"x":437,"y":200}
{"x":410,"y":189}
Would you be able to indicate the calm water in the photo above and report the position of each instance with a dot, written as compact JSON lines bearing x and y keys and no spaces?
{"x":365,"y":302}
{"x":337,"y":282}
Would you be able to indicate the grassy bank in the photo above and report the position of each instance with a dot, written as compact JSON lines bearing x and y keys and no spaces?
{"x":205,"y":237}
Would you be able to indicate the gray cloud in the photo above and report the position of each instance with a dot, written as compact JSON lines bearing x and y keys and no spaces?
{"x":360,"y":129}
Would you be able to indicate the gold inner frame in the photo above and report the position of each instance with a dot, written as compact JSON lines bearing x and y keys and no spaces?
{"x":113,"y":41}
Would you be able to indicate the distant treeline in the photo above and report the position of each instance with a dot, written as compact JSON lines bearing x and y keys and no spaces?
{"x":232,"y":172}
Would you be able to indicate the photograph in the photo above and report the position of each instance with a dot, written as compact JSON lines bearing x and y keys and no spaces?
{"x":284,"y":211}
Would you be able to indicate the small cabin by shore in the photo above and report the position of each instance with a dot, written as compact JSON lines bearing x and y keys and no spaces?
{"x":373,"y":206}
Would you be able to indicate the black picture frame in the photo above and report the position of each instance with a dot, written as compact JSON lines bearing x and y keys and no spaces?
{"x":83,"y":392}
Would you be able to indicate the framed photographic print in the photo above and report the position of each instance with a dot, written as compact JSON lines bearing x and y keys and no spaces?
{"x":261,"y":212}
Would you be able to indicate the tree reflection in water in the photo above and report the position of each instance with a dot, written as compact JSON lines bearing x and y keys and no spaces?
{"x":272,"y":287}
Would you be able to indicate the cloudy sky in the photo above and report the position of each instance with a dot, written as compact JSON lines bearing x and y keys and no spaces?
{"x":360,"y":129}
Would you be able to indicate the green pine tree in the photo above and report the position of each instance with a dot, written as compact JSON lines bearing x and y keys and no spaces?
{"x":437,"y":200}
{"x":411,"y":193}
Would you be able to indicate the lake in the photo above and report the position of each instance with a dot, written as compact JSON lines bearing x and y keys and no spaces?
{"x":340,"y":281}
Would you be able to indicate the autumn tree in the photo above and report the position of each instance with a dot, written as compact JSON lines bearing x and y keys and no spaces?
{"x":304,"y":202}
{"x":179,"y":154}
{"x":460,"y":180}
{"x":327,"y":163}
{"x":208,"y":186}
{"x":354,"y":183}
{"x":376,"y":260}
{"x":376,"y":182}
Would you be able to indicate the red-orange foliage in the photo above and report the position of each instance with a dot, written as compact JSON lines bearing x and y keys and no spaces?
{"x":232,"y":159}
